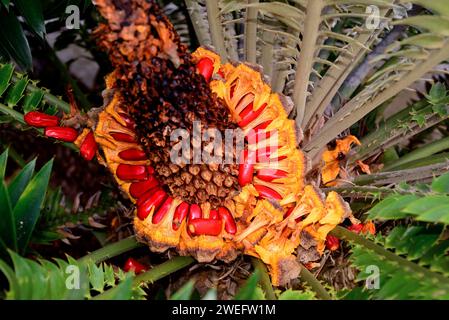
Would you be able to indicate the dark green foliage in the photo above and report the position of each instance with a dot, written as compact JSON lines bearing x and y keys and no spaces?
{"x":250,"y":290}
{"x":33,"y":14}
{"x":58,"y":211}
{"x":19,"y":93}
{"x":405,"y":124}
{"x":58,"y":280}
{"x":185,"y":292}
{"x":297,"y":295}
{"x":21,"y":201}
{"x":412,"y":258}
{"x":13,"y":42}
{"x":430,"y":207}
{"x":396,"y":280}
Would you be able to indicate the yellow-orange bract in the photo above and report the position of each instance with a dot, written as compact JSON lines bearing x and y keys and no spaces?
{"x":332,"y":158}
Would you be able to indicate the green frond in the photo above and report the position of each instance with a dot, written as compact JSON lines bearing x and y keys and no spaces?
{"x":16,"y":88}
{"x":404,"y":265}
{"x":420,"y":55}
{"x":65,"y":280}
{"x":431,"y":208}
{"x":406,"y":123}
{"x":21,"y":200}
{"x":59,"y":214}
{"x":396,"y":282}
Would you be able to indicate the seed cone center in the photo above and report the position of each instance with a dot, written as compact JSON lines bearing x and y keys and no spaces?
{"x":163,"y":92}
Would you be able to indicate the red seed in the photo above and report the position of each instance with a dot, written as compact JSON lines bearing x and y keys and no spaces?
{"x":213,"y":214}
{"x":231,"y":91}
{"x":332,"y":243}
{"x":266,"y":192}
{"x":134,"y":265}
{"x":137,"y":189}
{"x":61,"y":133}
{"x":156,"y":199}
{"x":147,"y":195}
{"x":271,"y":174}
{"x":129,"y":122}
{"x":162,"y":211}
{"x":130,"y":172}
{"x":41,"y":120}
{"x":246,"y":169}
{"x":180,"y":214}
{"x":207,"y":227}
{"x":228,"y":219}
{"x":248,"y":114}
{"x":205,"y":68}
{"x":357,"y":228}
{"x":132,"y":155}
{"x":89,"y":147}
{"x":259,"y":133}
{"x":195,"y":212}
{"x":122,"y":137}
{"x":289,"y":212}
{"x":150,"y":170}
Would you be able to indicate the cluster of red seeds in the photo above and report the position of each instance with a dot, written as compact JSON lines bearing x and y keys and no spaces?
{"x":250,"y":158}
{"x":333,"y":243}
{"x":52,"y":129}
{"x":145,"y":188}
{"x":150,"y":196}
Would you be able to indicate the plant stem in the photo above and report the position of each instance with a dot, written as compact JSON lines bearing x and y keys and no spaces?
{"x":344,"y":233}
{"x":17,"y":116}
{"x":358,"y":74}
{"x":251,"y":32}
{"x":420,"y":153}
{"x":366,"y":191}
{"x":306,"y":57}
{"x":163,"y":270}
{"x":338,"y":73}
{"x":388,"y":132}
{"x":198,"y":23}
{"x":216,"y":31}
{"x":267,"y":53}
{"x":316,"y":286}
{"x":435,"y":159}
{"x":111,"y":250}
{"x":416,"y":174}
{"x":156,"y":273}
{"x":265,"y":281}
{"x":49,"y":98}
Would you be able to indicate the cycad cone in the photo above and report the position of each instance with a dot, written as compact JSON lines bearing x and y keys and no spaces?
{"x":266,"y":228}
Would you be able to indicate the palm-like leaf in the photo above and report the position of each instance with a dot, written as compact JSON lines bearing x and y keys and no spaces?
{"x":310,"y":48}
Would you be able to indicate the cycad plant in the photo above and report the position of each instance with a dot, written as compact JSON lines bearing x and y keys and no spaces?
{"x":346,"y":65}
